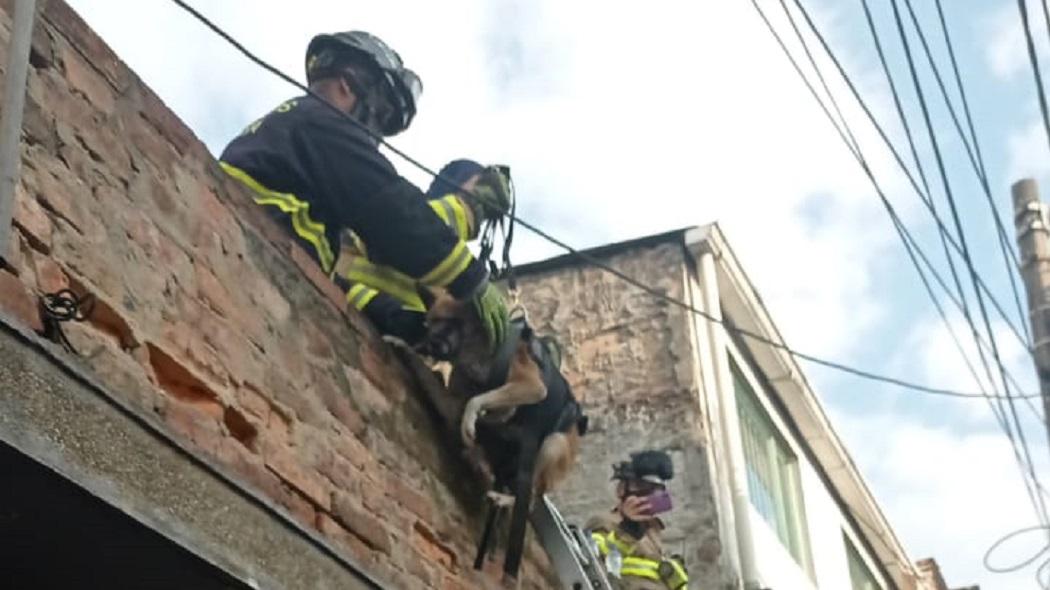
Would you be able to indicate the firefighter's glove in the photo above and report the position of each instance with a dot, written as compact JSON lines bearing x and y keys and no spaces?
{"x":492,"y":310}
{"x":491,"y":196}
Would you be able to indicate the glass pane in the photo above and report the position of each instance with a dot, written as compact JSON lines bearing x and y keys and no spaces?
{"x":860,"y":576}
{"x":772,"y":470}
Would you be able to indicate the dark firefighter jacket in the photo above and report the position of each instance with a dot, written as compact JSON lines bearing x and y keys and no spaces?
{"x":319,"y":174}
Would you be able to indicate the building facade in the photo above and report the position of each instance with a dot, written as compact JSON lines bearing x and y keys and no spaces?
{"x":766,"y":494}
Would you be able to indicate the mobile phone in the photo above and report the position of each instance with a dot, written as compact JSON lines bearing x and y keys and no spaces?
{"x":659,"y":502}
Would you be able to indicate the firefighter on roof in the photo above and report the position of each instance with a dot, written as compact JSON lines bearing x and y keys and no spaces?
{"x":318,"y":175}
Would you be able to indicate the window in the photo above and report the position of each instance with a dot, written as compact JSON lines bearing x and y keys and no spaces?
{"x":860,"y":576}
{"x":772,"y":471}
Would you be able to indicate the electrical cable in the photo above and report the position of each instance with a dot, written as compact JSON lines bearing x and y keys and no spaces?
{"x":963,"y":307}
{"x":973,"y":153}
{"x":941,"y":227}
{"x":953,"y":208}
{"x":1017,"y":454}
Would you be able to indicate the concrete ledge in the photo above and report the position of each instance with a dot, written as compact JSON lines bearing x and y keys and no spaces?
{"x":56,"y":414}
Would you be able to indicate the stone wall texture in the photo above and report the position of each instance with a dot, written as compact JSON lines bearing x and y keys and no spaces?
{"x":210,"y":319}
{"x":629,"y":358}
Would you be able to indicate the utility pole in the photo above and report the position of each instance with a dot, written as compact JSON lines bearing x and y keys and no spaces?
{"x":11,"y":114}
{"x":1033,"y":244}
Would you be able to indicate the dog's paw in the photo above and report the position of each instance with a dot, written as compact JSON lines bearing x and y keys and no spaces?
{"x":501,"y":500}
{"x":470,"y":419}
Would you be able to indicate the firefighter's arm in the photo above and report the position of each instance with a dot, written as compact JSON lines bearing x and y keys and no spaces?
{"x":455,"y":212}
{"x":389,"y":213}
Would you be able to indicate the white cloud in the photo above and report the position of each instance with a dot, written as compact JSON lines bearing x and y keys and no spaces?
{"x":950,"y":494}
{"x":1006,"y":51}
{"x":1027,"y":152}
{"x":938,"y":361}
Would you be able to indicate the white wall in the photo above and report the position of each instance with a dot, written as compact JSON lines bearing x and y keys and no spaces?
{"x":825,"y":523}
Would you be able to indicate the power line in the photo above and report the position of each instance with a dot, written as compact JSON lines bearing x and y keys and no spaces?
{"x":900,"y":162}
{"x":1034,"y":60}
{"x":963,"y":307}
{"x":1034,"y":494}
{"x":586,"y":257}
{"x":911,"y":246}
{"x":953,"y":208}
{"x":976,"y":160}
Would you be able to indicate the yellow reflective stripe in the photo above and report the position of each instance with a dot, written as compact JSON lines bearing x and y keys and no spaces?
{"x":599,"y":539}
{"x":359,"y":296}
{"x":624,"y":548}
{"x":462,"y":227}
{"x":641,"y":562}
{"x":443,"y":210}
{"x":451,"y":210}
{"x":679,"y":579}
{"x":640,"y":573}
{"x":455,"y":263}
{"x":387,"y":280}
{"x":308,"y":229}
{"x":313,"y":232}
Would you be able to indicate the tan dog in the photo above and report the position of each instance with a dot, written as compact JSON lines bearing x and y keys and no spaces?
{"x":455,"y":334}
{"x":520,"y":410}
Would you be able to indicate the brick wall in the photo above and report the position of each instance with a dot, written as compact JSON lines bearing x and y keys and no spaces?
{"x":208,"y":318}
{"x":629,"y":358}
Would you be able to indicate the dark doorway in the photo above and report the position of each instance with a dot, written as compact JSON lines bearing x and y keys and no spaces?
{"x":54,"y":534}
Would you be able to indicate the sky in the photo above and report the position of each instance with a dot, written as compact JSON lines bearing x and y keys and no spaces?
{"x":625,"y":119}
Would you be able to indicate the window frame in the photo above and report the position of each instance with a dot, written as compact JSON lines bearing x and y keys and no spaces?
{"x":854,"y":561}
{"x":789,"y":522}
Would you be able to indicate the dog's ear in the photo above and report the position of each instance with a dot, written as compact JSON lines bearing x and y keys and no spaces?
{"x":427,"y":295}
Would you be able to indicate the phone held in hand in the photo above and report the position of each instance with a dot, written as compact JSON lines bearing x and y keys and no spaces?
{"x":659,"y":502}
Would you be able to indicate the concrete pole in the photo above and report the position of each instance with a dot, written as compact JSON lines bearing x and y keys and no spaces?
{"x":1033,"y":244}
{"x":11,"y":114}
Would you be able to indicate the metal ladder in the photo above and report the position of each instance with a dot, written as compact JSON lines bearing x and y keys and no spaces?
{"x":569,"y":549}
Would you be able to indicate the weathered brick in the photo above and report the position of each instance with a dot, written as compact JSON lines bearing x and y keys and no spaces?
{"x":353,"y":544}
{"x":50,"y":278}
{"x":288,"y":467}
{"x":270,"y":300}
{"x":432,"y":547}
{"x":33,"y":220}
{"x":18,"y":303}
{"x":338,"y":403}
{"x":83,"y":78}
{"x":409,"y":497}
{"x":351,"y":449}
{"x":302,"y":509}
{"x":316,"y":276}
{"x":377,"y":364}
{"x":347,"y":510}
{"x":253,"y":402}
{"x":365,"y":393}
{"x":141,"y":229}
{"x":65,"y":19}
{"x":55,"y":196}
{"x":211,"y":290}
{"x":417,"y":565}
{"x":171,"y":127}
{"x":343,"y":474}
{"x":195,"y":421}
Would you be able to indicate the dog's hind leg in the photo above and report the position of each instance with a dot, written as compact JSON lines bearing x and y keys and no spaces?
{"x":522,"y":507}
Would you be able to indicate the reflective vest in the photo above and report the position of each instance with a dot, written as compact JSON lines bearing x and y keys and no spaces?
{"x":368,"y":279}
{"x":668,"y":571}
